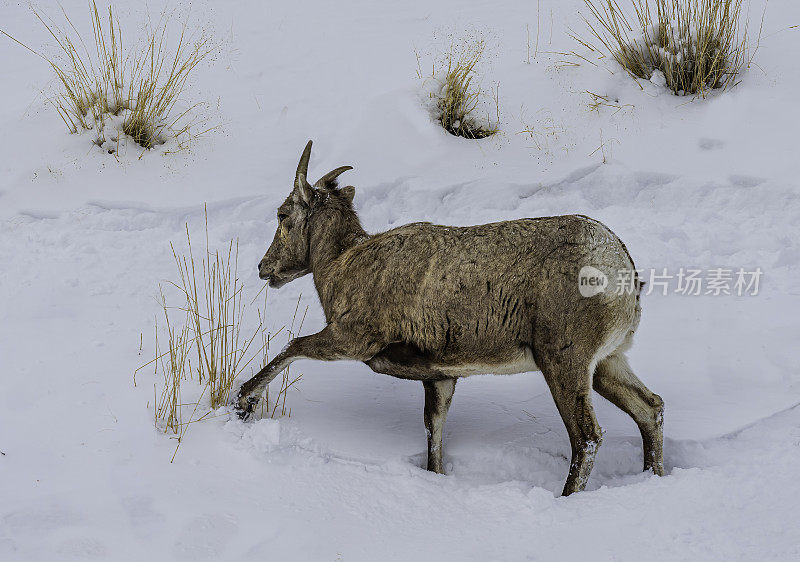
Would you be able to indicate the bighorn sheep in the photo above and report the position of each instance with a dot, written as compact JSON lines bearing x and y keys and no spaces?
{"x":435,"y":303}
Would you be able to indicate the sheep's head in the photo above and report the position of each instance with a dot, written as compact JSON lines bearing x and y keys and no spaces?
{"x":288,"y":256}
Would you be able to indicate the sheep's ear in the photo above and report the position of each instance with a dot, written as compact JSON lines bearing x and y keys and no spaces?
{"x":349,"y":193}
{"x":302,"y":190}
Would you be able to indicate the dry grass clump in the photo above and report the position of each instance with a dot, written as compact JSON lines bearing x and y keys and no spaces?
{"x":111,"y":90}
{"x":207,"y":345}
{"x":690,"y":46}
{"x":214,"y":309}
{"x":458,"y":98}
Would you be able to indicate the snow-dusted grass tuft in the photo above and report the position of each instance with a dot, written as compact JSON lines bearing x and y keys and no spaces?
{"x":114,"y":91}
{"x":208,"y":343}
{"x":457,"y":97}
{"x":689,"y":46}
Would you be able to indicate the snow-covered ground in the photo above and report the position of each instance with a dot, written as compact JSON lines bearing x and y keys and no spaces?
{"x":686,"y":184}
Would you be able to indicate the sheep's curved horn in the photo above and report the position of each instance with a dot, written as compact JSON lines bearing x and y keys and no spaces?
{"x":332,"y":175}
{"x":302,"y":167}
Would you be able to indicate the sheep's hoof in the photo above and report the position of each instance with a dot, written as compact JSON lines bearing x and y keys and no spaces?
{"x":245,"y":407}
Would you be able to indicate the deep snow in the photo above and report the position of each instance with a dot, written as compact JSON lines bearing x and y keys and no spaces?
{"x":84,"y":243}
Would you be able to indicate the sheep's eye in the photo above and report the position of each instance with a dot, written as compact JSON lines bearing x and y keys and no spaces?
{"x":283,"y":224}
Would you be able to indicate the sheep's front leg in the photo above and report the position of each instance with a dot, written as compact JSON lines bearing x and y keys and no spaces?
{"x":438,"y":395}
{"x":330,"y":344}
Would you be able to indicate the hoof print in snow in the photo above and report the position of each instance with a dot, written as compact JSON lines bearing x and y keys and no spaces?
{"x":710,"y":144}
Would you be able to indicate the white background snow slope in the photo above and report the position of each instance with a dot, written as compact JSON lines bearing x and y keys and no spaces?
{"x":84,"y":244}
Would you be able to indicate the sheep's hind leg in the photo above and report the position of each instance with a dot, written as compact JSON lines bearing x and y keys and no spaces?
{"x":570,"y":384}
{"x":614,"y":381}
{"x":438,"y":395}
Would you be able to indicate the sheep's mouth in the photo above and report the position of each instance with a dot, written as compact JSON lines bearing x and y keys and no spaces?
{"x":275,"y":282}
{"x":278,"y":280}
